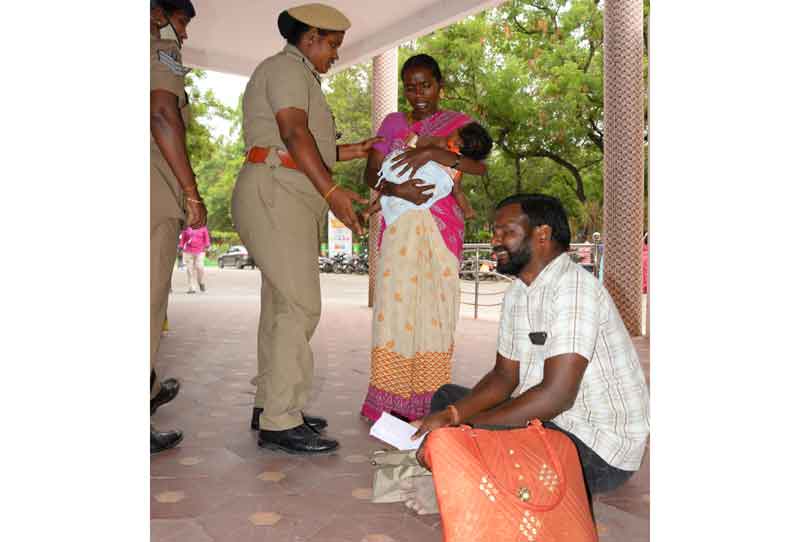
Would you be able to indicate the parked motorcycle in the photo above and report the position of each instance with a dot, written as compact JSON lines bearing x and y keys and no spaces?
{"x":341,"y":263}
{"x":326,"y":264}
{"x":361,"y":263}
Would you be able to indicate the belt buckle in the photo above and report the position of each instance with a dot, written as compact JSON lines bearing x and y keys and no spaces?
{"x":272,"y":159}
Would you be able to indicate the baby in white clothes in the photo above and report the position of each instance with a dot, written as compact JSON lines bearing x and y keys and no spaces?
{"x":471,"y":140}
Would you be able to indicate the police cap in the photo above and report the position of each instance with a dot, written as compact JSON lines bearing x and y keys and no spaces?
{"x":320,"y":16}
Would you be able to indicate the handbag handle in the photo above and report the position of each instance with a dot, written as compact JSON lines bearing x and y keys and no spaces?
{"x":554,"y":459}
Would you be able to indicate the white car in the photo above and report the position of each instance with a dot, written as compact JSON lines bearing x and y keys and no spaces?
{"x":237,"y":256}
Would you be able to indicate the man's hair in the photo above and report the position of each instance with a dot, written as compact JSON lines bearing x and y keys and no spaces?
{"x":291,"y":29}
{"x":423,"y":61}
{"x":541,"y":209}
{"x":170,"y":6}
{"x":476,"y":142}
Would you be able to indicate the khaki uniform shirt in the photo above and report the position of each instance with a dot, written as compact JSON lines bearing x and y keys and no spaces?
{"x":577,"y":315}
{"x":287,"y":79}
{"x":167,"y":73}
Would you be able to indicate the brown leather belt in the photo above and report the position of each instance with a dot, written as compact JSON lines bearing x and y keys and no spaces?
{"x":258,"y":155}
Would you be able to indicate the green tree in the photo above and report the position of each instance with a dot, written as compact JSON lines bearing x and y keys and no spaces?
{"x":530,"y":71}
{"x":215,"y":161}
{"x":349,"y":95}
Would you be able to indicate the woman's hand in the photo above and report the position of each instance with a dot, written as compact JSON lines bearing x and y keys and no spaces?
{"x":357,"y":150}
{"x":373,"y":208}
{"x":196,"y":214}
{"x":196,"y":211}
{"x":414,"y":190}
{"x":341,"y":203}
{"x":412,"y":159}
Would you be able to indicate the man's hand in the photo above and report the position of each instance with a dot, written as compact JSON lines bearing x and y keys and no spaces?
{"x":412,"y":159}
{"x":432,"y":421}
{"x":420,"y":455}
{"x":341,"y":203}
{"x":414,"y":190}
{"x":427,"y":424}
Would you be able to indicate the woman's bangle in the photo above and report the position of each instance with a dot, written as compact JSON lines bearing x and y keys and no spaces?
{"x":334,"y":187}
{"x":455,"y":414}
{"x":194,"y":200}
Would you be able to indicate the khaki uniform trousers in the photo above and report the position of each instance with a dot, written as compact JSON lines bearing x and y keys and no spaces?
{"x":163,"y":239}
{"x":277,"y":213}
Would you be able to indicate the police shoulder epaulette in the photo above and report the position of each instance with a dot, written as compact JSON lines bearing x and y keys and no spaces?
{"x":172,"y":63}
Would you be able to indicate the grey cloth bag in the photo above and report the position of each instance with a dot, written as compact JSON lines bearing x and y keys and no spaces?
{"x":392,"y":468}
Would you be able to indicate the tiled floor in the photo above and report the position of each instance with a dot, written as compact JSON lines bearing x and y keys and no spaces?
{"x":218,"y":485}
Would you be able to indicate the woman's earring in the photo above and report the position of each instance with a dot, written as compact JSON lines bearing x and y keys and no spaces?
{"x":441,"y":94}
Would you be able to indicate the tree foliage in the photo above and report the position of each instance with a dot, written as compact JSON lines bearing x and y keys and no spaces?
{"x":349,"y":94}
{"x":531,"y":71}
{"x":215,"y":161}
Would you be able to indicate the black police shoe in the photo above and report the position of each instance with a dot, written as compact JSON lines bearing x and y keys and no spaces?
{"x":298,"y":440}
{"x":168,"y":390}
{"x":163,"y":440}
{"x":314,"y":422}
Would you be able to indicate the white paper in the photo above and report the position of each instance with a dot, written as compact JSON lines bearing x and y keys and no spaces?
{"x":396,"y":432}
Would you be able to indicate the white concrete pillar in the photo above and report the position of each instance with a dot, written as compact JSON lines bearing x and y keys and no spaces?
{"x":384,"y":101}
{"x":624,"y":93}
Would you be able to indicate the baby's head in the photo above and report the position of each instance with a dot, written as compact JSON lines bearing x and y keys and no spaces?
{"x":472,"y":141}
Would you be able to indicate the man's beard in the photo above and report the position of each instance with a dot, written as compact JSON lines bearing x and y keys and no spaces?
{"x":516,"y":261}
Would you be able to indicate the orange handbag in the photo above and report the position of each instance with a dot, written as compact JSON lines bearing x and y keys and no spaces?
{"x":514,"y":485}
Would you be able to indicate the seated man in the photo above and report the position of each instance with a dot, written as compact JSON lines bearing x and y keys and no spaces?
{"x":564,"y":355}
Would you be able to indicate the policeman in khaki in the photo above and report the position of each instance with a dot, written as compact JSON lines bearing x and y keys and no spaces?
{"x":280,"y":199}
{"x":174,"y":196}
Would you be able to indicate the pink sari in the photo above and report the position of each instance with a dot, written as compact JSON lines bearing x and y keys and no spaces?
{"x":446,"y":212}
{"x":417,"y":294}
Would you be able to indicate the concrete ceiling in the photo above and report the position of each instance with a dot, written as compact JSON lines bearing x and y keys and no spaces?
{"x":233,"y":36}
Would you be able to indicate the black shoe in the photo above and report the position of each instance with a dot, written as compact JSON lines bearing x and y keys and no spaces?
{"x":168,"y":390}
{"x":298,"y":440}
{"x":203,"y":287}
{"x":164,"y":440}
{"x":314,"y":422}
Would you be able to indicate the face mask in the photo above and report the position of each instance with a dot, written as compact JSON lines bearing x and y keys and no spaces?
{"x":168,"y":32}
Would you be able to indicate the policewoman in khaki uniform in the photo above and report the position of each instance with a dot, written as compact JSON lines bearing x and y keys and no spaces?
{"x":280,"y":200}
{"x":174,"y":196}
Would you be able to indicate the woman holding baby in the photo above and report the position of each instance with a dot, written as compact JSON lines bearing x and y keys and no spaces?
{"x":417,"y":293}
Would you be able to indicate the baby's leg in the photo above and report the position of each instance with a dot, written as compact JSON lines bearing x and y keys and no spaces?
{"x":463,"y":201}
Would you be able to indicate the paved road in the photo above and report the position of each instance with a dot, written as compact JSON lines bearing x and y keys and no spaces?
{"x":218,"y":486}
{"x":337,"y":289}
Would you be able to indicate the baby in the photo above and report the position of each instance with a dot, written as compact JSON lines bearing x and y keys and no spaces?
{"x":471,"y":140}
